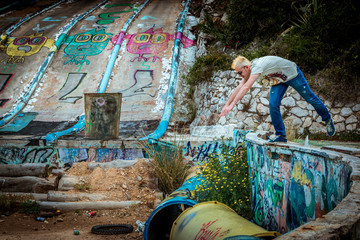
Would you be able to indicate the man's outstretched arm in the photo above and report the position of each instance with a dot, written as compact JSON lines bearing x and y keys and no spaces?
{"x":238,"y":94}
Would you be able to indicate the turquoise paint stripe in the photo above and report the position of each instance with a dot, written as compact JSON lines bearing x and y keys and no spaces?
{"x":169,"y":106}
{"x":105,"y":79}
{"x":20,"y":122}
{"x":35,"y":81}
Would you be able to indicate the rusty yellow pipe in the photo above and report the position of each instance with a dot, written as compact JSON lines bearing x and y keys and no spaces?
{"x":216,"y":221}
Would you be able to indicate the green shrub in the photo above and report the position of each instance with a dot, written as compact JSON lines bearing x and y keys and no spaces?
{"x":205,"y":66}
{"x":226,"y":180}
{"x":30,"y":207}
{"x":305,"y":51}
{"x":250,"y":19}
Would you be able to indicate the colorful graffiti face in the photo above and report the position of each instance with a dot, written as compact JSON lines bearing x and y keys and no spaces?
{"x":148,"y":42}
{"x":27,"y":45}
{"x":86,"y":44}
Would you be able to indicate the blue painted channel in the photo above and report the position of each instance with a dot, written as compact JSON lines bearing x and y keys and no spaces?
{"x":169,"y":106}
{"x":51,"y":137}
{"x":35,"y":81}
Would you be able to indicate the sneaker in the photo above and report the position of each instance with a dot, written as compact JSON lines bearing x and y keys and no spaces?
{"x":279,"y":138}
{"x":330,"y":127}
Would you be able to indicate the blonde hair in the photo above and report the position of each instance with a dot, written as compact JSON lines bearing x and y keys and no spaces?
{"x":240,"y":62}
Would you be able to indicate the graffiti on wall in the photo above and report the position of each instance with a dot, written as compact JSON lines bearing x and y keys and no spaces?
{"x":27,"y":155}
{"x":142,"y":84}
{"x":287,"y":194}
{"x":148,"y":45}
{"x":54,"y":22}
{"x":108,"y":18}
{"x":20,"y":47}
{"x":67,"y":92}
{"x":85,"y":44}
{"x":65,"y":156}
{"x":201,"y":152}
{"x":151,"y":42}
{"x":68,"y":156}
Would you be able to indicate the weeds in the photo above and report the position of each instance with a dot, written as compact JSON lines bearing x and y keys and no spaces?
{"x":82,"y":186}
{"x":13,"y":203}
{"x":305,"y":12}
{"x":168,"y":164}
{"x":226,"y":180}
{"x":30,"y":207}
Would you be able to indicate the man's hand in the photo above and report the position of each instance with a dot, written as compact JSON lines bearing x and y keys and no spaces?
{"x":225,"y":110}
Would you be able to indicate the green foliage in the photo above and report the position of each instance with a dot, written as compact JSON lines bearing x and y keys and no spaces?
{"x":305,"y":12}
{"x":226,"y":180}
{"x":252,"y":51}
{"x":349,"y":136}
{"x":168,"y":164}
{"x":249,"y":19}
{"x":204,"y":68}
{"x":82,"y":186}
{"x":30,"y":207}
{"x":327,"y":32}
{"x":305,"y":51}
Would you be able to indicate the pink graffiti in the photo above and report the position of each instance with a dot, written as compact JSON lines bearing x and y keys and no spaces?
{"x":207,"y":234}
{"x":184,"y":40}
{"x":100,"y":101}
{"x":151,"y":42}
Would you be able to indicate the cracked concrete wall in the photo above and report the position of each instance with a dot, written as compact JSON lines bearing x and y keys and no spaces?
{"x":307,"y":193}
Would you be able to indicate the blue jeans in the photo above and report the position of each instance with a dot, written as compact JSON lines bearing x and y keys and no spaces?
{"x":300,"y":84}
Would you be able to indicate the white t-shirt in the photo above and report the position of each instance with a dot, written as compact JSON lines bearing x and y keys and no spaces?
{"x":273,"y":70}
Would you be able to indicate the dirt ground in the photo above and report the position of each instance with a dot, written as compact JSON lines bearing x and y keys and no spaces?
{"x":136,"y":183}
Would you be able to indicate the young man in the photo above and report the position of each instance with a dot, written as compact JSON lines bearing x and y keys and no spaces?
{"x":279,"y":73}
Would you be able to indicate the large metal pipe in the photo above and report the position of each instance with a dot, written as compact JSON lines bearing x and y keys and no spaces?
{"x":214,"y":220}
{"x":158,"y":225}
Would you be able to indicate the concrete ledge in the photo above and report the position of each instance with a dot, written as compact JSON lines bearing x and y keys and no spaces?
{"x":343,"y":222}
{"x":216,"y":131}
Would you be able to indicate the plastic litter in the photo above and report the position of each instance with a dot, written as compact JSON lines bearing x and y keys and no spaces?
{"x":40,"y":219}
{"x":141,"y":226}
